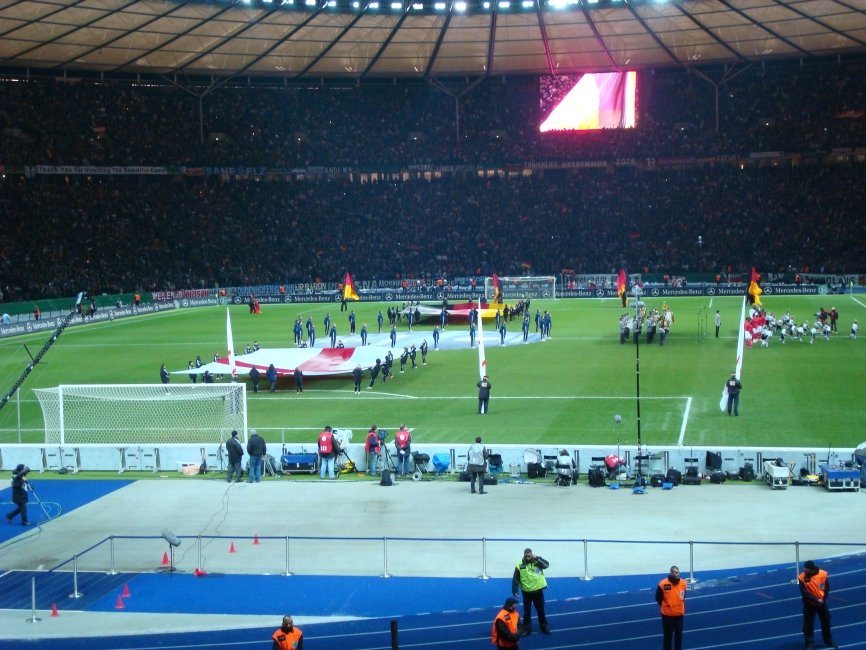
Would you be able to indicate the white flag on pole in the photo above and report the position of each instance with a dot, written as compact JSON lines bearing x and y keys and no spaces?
{"x":231,"y":347}
{"x":482,"y":360}
{"x":738,"y":367}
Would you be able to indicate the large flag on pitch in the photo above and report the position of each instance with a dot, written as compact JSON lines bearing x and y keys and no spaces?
{"x":482,"y":359}
{"x":350,"y":292}
{"x":738,"y":365}
{"x":755,"y":290}
{"x":231,"y":347}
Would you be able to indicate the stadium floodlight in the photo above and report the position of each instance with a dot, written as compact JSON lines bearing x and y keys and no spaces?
{"x":396,"y":5}
{"x":439,"y":6}
{"x":356,"y":5}
{"x":310,"y":3}
{"x":527,"y":4}
{"x":373,"y":5}
{"x":460,"y":6}
{"x":504,"y":4}
{"x":485,"y":5}
{"x":418,"y":6}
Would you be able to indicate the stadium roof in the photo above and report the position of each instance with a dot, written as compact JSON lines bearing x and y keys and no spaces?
{"x":320,"y":39}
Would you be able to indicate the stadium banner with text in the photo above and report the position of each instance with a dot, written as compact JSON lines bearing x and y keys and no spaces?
{"x":33,"y":326}
{"x":96,"y":170}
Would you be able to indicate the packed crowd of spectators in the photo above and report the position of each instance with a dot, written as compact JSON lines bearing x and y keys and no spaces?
{"x":118,"y":234}
{"x":783,"y":107}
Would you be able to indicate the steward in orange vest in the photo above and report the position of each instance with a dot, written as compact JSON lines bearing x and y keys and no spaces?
{"x":288,"y":637}
{"x":671,"y":597}
{"x":814,"y":588}
{"x":504,"y":633}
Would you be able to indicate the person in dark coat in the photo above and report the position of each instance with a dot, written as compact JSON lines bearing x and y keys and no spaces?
{"x":272,"y":377}
{"x":374,"y":372}
{"x":357,"y":374}
{"x":484,"y":387}
{"x":19,"y":494}
{"x":255,"y":376}
{"x":299,"y":381}
{"x":235,"y":453}
{"x":163,"y":374}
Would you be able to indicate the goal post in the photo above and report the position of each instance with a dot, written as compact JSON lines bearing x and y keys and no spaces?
{"x":520,"y":287}
{"x":132,"y":414}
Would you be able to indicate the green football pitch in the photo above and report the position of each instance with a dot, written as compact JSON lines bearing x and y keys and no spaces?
{"x":562,"y":391}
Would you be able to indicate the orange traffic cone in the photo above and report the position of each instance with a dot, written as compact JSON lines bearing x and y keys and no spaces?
{"x":119,"y":604}
{"x":165,"y":561}
{"x":232,"y":548}
{"x":255,"y":539}
{"x":126,"y":593}
{"x":54,"y":611}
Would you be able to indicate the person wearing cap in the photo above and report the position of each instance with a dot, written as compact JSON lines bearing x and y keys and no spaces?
{"x":815,"y":588}
{"x":484,"y":387}
{"x":288,"y":637}
{"x":235,"y":453}
{"x":529,"y":578}
{"x":19,"y":494}
{"x":671,"y":597}
{"x":504,"y":633}
{"x":734,"y":387}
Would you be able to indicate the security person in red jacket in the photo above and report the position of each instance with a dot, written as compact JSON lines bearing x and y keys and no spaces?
{"x":504,"y":633}
{"x":815,"y":587}
{"x":288,"y":637}
{"x":671,"y":597}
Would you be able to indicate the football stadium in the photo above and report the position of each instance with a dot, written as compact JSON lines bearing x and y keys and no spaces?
{"x":600,"y":262}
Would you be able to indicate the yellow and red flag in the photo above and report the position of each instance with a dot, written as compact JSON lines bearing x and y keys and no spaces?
{"x":621,"y":283}
{"x":755,"y":290}
{"x":497,"y":292}
{"x":350,"y":292}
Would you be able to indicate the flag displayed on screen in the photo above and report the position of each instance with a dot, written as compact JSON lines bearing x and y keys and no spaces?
{"x":591,"y":101}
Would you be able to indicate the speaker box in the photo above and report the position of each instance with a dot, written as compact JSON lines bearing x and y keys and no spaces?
{"x":674,"y":476}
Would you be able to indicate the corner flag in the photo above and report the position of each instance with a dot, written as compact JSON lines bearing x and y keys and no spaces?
{"x":350,"y":292}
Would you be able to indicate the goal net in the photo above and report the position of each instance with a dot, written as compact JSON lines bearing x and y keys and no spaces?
{"x":518,"y":288}
{"x":142,"y":413}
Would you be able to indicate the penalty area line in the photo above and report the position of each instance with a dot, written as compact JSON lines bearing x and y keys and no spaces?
{"x":685,"y":421}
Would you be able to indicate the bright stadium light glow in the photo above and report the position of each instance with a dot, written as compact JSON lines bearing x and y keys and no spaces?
{"x":526,"y":4}
{"x":332,"y":3}
{"x":373,"y":5}
{"x":486,"y":5}
{"x":310,"y":3}
{"x":356,"y":5}
{"x":418,"y":6}
{"x":557,"y":4}
{"x":504,"y":4}
{"x":460,"y":6}
{"x":396,"y":5}
{"x":439,"y":6}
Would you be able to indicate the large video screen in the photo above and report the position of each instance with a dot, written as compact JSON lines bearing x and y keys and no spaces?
{"x":603,"y":100}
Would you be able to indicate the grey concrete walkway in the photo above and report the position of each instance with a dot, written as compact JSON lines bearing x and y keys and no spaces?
{"x":430,"y":524}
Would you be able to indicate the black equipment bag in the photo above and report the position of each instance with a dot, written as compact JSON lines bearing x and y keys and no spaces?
{"x":490,"y":480}
{"x":674,"y":476}
{"x":465,"y":477}
{"x":495,"y":459}
{"x":386,"y":479}
{"x":747,"y":472}
{"x":596,"y":477}
{"x":718,"y":476}
{"x":691,"y":471}
{"x":656,"y":480}
{"x":535,"y":470}
{"x":688,"y":479}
